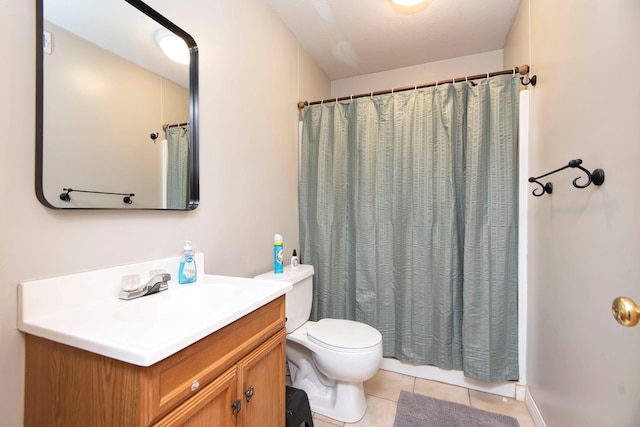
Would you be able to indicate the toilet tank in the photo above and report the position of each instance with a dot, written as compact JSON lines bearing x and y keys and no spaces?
{"x":298,"y":299}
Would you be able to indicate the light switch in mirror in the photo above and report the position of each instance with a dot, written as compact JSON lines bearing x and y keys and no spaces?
{"x":116,"y":118}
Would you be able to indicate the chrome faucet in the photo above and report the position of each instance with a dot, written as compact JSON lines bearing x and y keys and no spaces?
{"x":158,"y":282}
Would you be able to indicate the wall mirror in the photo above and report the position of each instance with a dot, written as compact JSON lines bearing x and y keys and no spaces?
{"x":116,"y":119}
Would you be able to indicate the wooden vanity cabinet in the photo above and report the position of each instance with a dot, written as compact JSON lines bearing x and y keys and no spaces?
{"x":233,"y":377}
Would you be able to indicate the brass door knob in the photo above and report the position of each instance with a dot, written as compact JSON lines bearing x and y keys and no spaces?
{"x":626,"y":312}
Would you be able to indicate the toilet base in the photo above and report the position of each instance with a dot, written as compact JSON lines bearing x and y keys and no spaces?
{"x":340,"y":400}
{"x":346,"y":403}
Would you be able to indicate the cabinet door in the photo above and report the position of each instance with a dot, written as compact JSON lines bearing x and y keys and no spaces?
{"x":210,"y":407}
{"x":261,"y":378}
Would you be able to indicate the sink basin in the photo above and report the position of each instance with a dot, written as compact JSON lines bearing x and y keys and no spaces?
{"x":83,"y":310}
{"x":179,"y":303}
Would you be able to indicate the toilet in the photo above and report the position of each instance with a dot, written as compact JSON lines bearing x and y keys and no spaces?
{"x":328,"y":359}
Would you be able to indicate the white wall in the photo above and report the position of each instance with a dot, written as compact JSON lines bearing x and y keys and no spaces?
{"x":418,"y":74}
{"x":583,"y":244}
{"x":250,"y":84}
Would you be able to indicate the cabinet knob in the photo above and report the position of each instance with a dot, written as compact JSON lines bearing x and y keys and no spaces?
{"x":236,"y":406}
{"x":195,"y":385}
{"x":249,"y":393}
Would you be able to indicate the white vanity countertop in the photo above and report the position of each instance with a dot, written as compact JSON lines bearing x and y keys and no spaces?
{"x":141,"y":331}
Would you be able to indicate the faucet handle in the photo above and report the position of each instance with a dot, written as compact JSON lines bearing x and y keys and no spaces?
{"x":153,"y":273}
{"x":165,"y":277}
{"x":130,"y":282}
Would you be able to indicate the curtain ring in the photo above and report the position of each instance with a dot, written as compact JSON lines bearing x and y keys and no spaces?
{"x":322,"y":102}
{"x":514,"y":71}
{"x":436,"y":83}
{"x":487,"y":76}
{"x":372,"y":94}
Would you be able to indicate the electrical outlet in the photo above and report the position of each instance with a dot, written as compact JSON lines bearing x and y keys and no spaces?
{"x":47,"y":42}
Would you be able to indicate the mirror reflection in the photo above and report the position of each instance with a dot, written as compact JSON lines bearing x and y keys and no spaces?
{"x":117,"y":124}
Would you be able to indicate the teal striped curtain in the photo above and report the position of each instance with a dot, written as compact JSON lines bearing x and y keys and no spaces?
{"x":177,"y":167}
{"x":408,"y":211}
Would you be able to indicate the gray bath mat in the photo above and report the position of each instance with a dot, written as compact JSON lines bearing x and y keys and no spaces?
{"x":416,"y":410}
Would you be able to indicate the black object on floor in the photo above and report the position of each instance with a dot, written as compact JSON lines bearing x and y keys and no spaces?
{"x":298,"y":409}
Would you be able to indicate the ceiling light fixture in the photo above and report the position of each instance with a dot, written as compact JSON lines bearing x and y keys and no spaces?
{"x":172,"y":45}
{"x":409,"y":7}
{"x":407,"y":2}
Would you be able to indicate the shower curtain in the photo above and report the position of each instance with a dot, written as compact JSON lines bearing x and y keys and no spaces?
{"x":408,"y":212}
{"x":177,"y":167}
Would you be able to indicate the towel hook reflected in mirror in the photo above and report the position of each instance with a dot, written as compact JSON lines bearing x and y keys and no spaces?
{"x":65,"y":197}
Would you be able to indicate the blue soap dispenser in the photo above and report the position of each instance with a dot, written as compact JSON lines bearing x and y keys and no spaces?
{"x":187,"y":272}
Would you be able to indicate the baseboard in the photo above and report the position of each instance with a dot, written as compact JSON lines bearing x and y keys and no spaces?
{"x":521,"y":391}
{"x":533,"y":410}
{"x":510,"y":389}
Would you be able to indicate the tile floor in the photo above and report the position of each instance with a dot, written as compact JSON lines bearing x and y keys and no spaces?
{"x":384,"y":388}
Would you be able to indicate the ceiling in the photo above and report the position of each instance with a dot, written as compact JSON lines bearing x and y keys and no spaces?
{"x":354,"y":37}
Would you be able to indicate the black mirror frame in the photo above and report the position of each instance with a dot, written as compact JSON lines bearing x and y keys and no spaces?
{"x":193,"y":198}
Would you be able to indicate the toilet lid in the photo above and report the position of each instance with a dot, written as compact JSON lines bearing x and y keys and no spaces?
{"x":343,"y":334}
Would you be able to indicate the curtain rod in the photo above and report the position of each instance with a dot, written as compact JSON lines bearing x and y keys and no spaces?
{"x":167,"y":125}
{"x":523,"y":70}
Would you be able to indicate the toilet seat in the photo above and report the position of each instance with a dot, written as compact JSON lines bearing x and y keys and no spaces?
{"x":344,"y":335}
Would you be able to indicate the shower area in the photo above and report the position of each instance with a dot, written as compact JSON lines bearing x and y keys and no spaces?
{"x":175,"y":165}
{"x":410,"y":212}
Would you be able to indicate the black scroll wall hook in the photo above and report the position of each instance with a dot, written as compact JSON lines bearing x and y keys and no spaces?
{"x":530,"y":80}
{"x":597,"y":178}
